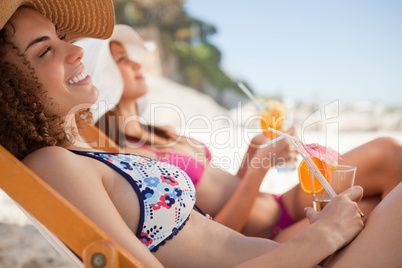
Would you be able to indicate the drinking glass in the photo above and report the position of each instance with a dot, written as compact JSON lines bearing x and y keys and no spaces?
{"x":341,"y":178}
{"x":275,"y":115}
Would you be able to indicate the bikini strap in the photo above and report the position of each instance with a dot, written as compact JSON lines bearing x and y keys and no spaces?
{"x":202,"y":212}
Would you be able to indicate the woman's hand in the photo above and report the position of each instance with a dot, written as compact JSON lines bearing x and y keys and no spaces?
{"x":278,"y":153}
{"x":341,"y":218}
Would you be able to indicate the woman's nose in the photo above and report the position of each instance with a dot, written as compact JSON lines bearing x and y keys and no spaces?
{"x":136,"y":65}
{"x":75,"y":54}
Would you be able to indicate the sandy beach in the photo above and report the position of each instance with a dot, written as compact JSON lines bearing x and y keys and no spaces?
{"x":22,"y":246}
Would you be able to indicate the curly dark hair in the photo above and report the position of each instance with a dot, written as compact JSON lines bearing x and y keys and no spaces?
{"x":25,"y":126}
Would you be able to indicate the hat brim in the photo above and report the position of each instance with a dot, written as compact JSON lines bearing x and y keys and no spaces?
{"x":100,"y":65}
{"x":131,"y":40}
{"x":76,"y":19}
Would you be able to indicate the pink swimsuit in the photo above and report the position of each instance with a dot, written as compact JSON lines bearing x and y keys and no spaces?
{"x":284,"y":220}
{"x":190,"y":165}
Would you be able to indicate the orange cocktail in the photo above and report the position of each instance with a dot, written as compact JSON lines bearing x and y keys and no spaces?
{"x":273,"y":115}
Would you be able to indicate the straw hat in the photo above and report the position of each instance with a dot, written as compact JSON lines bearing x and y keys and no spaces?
{"x":76,"y":18}
{"x":105,"y":74}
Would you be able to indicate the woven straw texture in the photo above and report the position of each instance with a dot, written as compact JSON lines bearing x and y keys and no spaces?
{"x":76,"y":18}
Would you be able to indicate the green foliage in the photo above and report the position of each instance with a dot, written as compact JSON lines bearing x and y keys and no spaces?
{"x":160,"y":13}
{"x":185,"y":37}
{"x":199,"y":64}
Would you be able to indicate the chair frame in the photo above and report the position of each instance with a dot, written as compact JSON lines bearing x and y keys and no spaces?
{"x":83,"y":237}
{"x":97,"y":139}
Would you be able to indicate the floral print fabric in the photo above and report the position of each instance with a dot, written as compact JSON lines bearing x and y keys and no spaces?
{"x":166,"y":194}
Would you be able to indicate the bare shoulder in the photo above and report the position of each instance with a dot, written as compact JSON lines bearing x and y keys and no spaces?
{"x":57,"y":164}
{"x":47,"y":156}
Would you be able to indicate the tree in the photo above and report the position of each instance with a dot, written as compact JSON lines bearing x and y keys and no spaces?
{"x":183,"y":36}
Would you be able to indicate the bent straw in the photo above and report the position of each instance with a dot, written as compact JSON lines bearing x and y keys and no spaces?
{"x":250,"y":95}
{"x":272,"y":141}
{"x":296,"y":143}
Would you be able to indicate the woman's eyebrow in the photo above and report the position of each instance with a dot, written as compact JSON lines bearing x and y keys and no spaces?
{"x":38,"y":40}
{"x":119,"y":55}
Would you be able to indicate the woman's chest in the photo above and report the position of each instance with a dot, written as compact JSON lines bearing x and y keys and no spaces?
{"x":184,"y":146}
{"x":122,"y":194}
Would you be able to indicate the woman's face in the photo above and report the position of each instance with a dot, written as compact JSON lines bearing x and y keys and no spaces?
{"x":57,"y":63}
{"x":134,"y":81}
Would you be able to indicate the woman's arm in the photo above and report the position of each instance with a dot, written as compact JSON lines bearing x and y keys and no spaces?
{"x":236,"y":211}
{"x":330,"y":230}
{"x":285,"y":154}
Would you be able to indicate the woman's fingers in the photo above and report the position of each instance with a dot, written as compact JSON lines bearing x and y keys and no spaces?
{"x":341,"y":216}
{"x":359,"y":211}
{"x":311,"y":214}
{"x":355,"y":193}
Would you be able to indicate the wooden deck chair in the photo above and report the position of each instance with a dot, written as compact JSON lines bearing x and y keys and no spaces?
{"x":92,"y":246}
{"x":98,"y":139}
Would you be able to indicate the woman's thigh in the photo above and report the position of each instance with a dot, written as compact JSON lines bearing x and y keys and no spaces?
{"x":379,"y":244}
{"x":263,"y":216}
{"x":379,"y":165}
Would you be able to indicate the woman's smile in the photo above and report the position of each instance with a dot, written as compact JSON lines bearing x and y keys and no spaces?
{"x":139,"y":77}
{"x":80,"y":79}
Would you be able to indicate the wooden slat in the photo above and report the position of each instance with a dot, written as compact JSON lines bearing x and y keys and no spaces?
{"x":101,"y":254}
{"x":98,"y":139}
{"x":46,"y":205}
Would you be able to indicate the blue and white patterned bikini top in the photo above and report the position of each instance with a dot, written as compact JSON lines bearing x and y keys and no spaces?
{"x":165,"y":192}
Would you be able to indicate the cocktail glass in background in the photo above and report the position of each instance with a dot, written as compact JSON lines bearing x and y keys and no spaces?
{"x":274,"y":116}
{"x":340,"y":178}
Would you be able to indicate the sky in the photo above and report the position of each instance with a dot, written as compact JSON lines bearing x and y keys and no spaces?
{"x":321,"y":50}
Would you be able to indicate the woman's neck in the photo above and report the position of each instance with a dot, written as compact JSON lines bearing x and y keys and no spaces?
{"x":127,"y":108}
{"x":76,"y":141}
{"x":131,"y":125}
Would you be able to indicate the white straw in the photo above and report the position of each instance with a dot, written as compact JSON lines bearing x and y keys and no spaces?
{"x":272,"y":141}
{"x":251,"y":96}
{"x":313,"y":167}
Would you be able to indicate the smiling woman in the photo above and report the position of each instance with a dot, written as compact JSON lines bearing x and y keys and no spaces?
{"x":146,"y":206}
{"x":39,"y":49}
{"x":20,"y":98}
{"x":45,"y":52}
{"x":233,"y":200}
